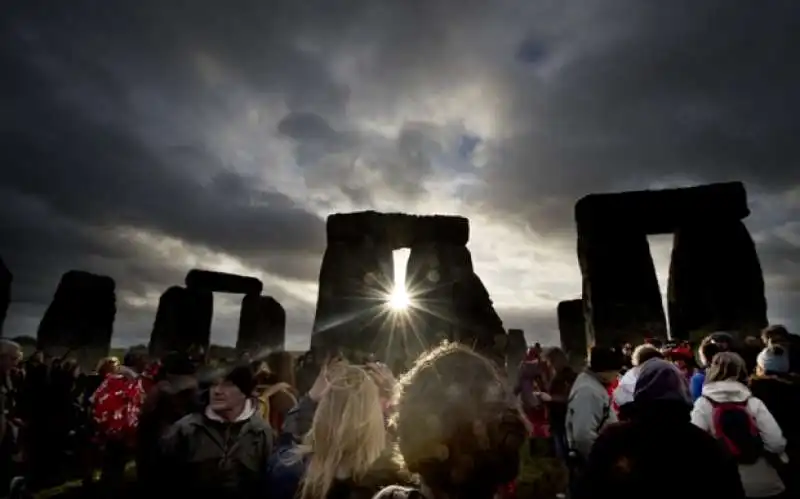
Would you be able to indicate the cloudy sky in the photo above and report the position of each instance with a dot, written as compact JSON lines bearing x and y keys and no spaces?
{"x":141,"y":139}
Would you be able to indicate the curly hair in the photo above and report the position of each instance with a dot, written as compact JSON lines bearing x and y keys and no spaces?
{"x":457,"y":422}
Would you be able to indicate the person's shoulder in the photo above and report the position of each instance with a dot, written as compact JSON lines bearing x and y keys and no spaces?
{"x":398,"y":492}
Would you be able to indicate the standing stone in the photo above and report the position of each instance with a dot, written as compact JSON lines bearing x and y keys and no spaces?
{"x":715,"y":281}
{"x":622,"y":299}
{"x":183,"y":321}
{"x":572,"y":330}
{"x":354,"y":284}
{"x":478,"y":324}
{"x":262,"y":325}
{"x":5,"y":292}
{"x":431,"y":271}
{"x":80,"y":319}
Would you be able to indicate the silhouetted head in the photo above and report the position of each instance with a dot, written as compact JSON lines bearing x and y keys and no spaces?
{"x":458,"y":424}
{"x":661,"y":392}
{"x":605,"y":362}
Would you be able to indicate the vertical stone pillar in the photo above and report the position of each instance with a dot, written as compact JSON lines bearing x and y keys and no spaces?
{"x":80,"y":319}
{"x":431,"y":272}
{"x":183,"y":321}
{"x":715,"y":281}
{"x":572,"y":330}
{"x":354,"y":284}
{"x":5,"y":292}
{"x":478,"y":324}
{"x":622,"y":299}
{"x":262,"y":325}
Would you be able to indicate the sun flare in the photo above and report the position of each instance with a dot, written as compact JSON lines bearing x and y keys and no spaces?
{"x":399,"y":300}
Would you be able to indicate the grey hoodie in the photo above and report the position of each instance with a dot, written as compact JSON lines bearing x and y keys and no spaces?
{"x":588,"y":410}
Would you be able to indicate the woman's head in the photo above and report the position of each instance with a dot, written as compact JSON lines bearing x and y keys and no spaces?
{"x":555,"y":359}
{"x":347,"y":433}
{"x":457,"y":423}
{"x":727,"y":366}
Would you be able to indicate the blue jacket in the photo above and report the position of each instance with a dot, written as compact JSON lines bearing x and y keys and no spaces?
{"x":285,"y":472}
{"x":696,"y":384}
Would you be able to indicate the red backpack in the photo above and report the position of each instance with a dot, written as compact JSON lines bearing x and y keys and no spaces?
{"x":116,"y":408}
{"x":736,"y":428}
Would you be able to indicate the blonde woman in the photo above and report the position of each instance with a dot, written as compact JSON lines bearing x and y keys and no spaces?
{"x":728,"y":411}
{"x":344,"y":453}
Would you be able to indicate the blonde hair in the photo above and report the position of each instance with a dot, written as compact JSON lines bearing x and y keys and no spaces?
{"x":347,"y":433}
{"x":726,"y":366}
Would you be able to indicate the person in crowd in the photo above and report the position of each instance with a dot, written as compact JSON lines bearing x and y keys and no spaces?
{"x":458,"y":426}
{"x":627,"y":355}
{"x":682,"y":356}
{"x":751,"y":347}
{"x":779,"y":335}
{"x":175,"y":395}
{"x":708,"y":349}
{"x":345,"y":453}
{"x":116,"y":406}
{"x":561,"y":376}
{"x":224,"y":451}
{"x":742,"y":423}
{"x":531,"y":381}
{"x":657,"y":449}
{"x":589,"y":406}
{"x":780,"y":392}
{"x":623,"y":394}
{"x":275,"y":390}
{"x":10,"y":358}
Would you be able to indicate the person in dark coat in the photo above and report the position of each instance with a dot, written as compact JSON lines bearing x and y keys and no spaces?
{"x":659,"y":452}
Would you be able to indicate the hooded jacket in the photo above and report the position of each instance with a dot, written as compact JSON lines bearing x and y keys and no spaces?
{"x":588,"y":410}
{"x":759,"y":479}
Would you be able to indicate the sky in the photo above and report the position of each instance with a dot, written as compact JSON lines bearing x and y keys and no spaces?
{"x":142,"y":139}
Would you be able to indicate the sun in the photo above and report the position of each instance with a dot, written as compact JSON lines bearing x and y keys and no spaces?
{"x":399,"y":299}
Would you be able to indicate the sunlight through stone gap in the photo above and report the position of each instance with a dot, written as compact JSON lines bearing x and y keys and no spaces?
{"x":399,"y":299}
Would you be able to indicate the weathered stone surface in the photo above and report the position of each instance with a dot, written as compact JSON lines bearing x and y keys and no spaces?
{"x":262,"y":325}
{"x":478,"y":323}
{"x":716,"y":282}
{"x":431,"y":272}
{"x":209,"y":280}
{"x":183,"y":321}
{"x":663,"y":211}
{"x":622,"y":299}
{"x":396,"y":230}
{"x":80,"y":319}
{"x":354,"y":284}
{"x":5,"y":292}
{"x":572,"y":330}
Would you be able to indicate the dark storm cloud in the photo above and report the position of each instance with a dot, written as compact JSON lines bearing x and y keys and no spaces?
{"x":344,"y":160}
{"x":646,"y":91}
{"x":112,"y":115}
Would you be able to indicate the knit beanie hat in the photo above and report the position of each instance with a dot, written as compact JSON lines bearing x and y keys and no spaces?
{"x":773,"y":359}
{"x":242,"y":377}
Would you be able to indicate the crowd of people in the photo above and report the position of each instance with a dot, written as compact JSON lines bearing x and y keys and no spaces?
{"x":658,"y":420}
{"x":654,"y":420}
